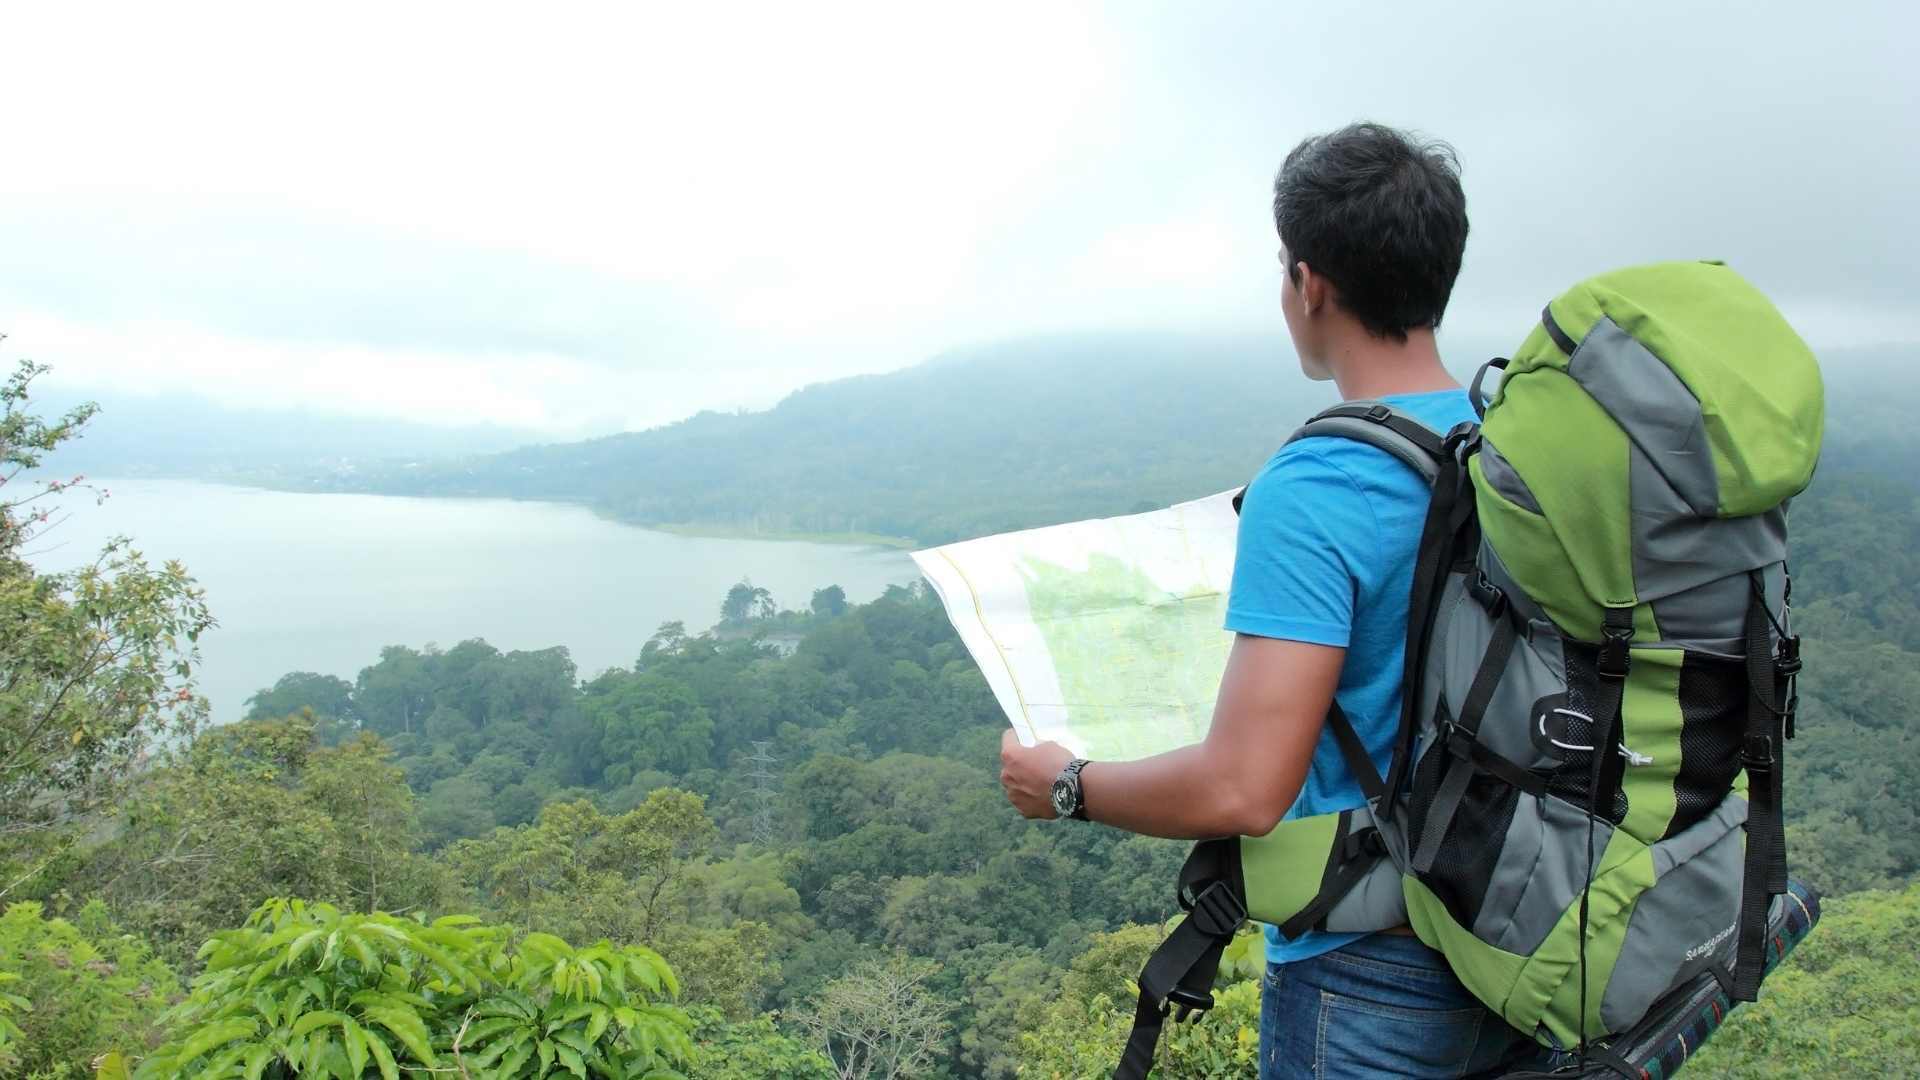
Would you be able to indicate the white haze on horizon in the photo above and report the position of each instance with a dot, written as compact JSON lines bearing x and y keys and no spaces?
{"x":598,"y":218}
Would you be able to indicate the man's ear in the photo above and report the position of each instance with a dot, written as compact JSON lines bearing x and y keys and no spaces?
{"x":1313,"y":289}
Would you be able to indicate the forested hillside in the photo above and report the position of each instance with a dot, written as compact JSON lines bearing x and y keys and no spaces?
{"x":1005,"y":437}
{"x":1022,"y":434}
{"x":794,"y":859}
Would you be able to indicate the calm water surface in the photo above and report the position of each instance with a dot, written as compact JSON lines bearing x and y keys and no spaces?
{"x":321,"y":582}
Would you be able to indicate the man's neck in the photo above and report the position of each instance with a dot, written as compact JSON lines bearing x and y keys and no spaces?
{"x":1365,"y":366}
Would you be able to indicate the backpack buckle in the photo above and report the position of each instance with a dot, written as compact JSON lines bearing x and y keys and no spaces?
{"x":1365,"y":842}
{"x":1487,"y":593}
{"x":1189,"y":1004}
{"x":1786,"y":659}
{"x":1616,"y":656}
{"x":1379,"y":414}
{"x":1217,"y":912}
{"x":1756,"y":753}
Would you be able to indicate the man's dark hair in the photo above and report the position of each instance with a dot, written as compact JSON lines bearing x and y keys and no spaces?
{"x":1380,"y":214}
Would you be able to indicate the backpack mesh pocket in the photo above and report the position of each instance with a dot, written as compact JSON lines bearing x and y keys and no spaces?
{"x":1713,"y":700}
{"x":1463,"y":866}
{"x":1569,"y":781}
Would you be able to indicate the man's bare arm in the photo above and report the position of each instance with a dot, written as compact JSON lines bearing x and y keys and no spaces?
{"x":1238,"y":781}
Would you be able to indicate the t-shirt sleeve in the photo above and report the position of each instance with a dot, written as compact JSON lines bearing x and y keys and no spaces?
{"x":1307,"y":535}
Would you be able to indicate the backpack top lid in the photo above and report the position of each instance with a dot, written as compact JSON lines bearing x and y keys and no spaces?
{"x":1645,"y":441}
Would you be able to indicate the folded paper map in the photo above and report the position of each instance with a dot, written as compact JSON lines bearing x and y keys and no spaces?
{"x":1105,"y":635}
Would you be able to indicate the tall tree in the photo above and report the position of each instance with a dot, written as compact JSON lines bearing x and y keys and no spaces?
{"x":739,"y":601}
{"x":95,"y":664}
{"x":366,"y":798}
{"x":395,"y":695}
{"x":831,"y":600}
{"x":878,"y":1021}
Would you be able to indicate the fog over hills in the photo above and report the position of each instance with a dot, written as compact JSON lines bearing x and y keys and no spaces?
{"x":182,"y":435}
{"x":1000,"y":436}
{"x":996,"y":437}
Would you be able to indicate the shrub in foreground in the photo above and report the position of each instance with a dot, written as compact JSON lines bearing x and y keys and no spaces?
{"x":305,"y":990}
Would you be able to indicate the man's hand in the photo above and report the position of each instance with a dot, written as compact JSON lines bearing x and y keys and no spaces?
{"x":1028,"y":772}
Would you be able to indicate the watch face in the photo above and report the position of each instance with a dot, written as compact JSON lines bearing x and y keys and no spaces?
{"x":1063,"y":798}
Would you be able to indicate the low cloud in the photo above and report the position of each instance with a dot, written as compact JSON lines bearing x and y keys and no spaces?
{"x":589,"y":221}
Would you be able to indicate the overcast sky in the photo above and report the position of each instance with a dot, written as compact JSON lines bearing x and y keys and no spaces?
{"x":582,"y":219}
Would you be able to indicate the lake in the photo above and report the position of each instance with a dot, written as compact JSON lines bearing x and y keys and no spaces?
{"x":321,"y":582}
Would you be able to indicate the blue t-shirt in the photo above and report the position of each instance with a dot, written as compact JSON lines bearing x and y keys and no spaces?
{"x":1328,"y":534}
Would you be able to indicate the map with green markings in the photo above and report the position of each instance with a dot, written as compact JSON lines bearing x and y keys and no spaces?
{"x":1105,"y":635}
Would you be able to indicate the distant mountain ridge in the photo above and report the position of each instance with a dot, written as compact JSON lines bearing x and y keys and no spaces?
{"x":182,"y":435}
{"x":980,"y":440}
{"x":1000,"y":437}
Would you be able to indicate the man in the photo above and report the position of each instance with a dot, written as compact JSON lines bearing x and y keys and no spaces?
{"x":1372,"y":226}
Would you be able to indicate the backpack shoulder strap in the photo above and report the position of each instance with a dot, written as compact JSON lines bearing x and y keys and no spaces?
{"x":1378,"y":425}
{"x":1381,"y":426}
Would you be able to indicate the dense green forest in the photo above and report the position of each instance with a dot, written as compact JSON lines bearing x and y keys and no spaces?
{"x":1005,"y":437}
{"x":727,"y":859}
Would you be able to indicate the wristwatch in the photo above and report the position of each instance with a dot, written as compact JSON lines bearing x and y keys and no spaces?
{"x":1068,"y":800}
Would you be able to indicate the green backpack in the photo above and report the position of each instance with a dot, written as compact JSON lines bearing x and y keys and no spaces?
{"x":1582,"y":810}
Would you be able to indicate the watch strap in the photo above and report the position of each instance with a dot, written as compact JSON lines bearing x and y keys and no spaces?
{"x":1072,"y":773}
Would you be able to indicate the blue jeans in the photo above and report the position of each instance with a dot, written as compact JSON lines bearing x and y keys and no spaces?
{"x":1385,"y":1005}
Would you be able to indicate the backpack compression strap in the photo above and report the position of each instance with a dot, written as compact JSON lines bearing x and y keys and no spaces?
{"x":1180,"y":973}
{"x":1770,"y":708}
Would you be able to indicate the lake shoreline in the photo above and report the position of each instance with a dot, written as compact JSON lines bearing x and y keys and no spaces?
{"x":691,"y":529}
{"x":324,"y":582}
{"x":734,"y":532}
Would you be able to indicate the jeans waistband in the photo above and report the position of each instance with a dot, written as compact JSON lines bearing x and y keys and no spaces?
{"x":1398,"y":948}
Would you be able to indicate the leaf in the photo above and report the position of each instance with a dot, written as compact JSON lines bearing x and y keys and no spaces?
{"x":355,"y":1038}
{"x":545,"y":947}
{"x":513,"y":1005}
{"x":487,"y":1029}
{"x":300,"y":945}
{"x":408,"y":1028}
{"x":112,"y":1067}
{"x":316,"y":1052}
{"x":571,"y":1060}
{"x":500,"y":1048}
{"x":569,"y":1014}
{"x":510,"y":1066}
{"x":215,"y":1035}
{"x":453,"y":967}
{"x":317,"y":988}
{"x":257,"y":1059}
{"x":260,"y":972}
{"x":597,"y":1024}
{"x":574,"y":1040}
{"x":317,"y":1019}
{"x":381,"y":1055}
{"x":220,"y":1064}
{"x":546,"y":1054}
{"x":360,"y":952}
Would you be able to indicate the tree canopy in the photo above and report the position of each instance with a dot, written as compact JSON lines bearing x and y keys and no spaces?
{"x":728,"y":859}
